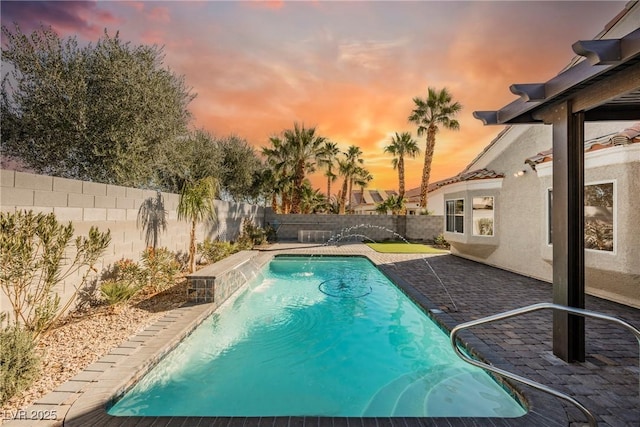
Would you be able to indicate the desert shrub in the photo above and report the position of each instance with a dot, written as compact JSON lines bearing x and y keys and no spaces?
{"x":19,"y":362}
{"x":117,"y":291}
{"x":215,"y":250}
{"x":122,"y":281}
{"x":34,"y":258}
{"x":182,"y":258}
{"x":251,"y":235}
{"x":160,"y":267}
{"x":441,"y":242}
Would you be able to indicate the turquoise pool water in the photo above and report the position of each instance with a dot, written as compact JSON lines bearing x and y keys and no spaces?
{"x":319,"y":336}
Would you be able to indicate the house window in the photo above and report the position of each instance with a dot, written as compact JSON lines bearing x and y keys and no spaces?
{"x":482,"y":216}
{"x":598,"y":216}
{"x":455,"y":216}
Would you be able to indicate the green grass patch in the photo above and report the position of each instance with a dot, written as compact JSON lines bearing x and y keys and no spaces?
{"x":404,"y":248}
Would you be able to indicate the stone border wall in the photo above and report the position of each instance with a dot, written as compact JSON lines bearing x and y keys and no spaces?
{"x":375,"y":227}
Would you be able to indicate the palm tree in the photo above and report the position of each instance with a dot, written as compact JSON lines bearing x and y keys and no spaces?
{"x":278,"y":160}
{"x":328,"y":158}
{"x":362,"y":177}
{"x":353,"y":157}
{"x":196,"y":205}
{"x":312,"y":199}
{"x":401,"y":145}
{"x":304,"y":147}
{"x":394,"y":203}
{"x":430,"y":113}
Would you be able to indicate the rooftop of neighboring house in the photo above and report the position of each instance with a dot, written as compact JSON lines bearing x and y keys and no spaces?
{"x":370,"y":197}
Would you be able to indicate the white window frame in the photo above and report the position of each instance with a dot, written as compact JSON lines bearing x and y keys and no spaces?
{"x":446,"y":213}
{"x":493,"y":216}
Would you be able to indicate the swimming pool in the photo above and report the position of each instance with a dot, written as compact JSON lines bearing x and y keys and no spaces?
{"x":321,"y":336}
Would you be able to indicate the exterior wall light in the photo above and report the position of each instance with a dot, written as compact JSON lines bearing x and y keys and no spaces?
{"x":519,"y":173}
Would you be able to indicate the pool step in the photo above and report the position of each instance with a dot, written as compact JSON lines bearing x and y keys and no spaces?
{"x":407,"y":395}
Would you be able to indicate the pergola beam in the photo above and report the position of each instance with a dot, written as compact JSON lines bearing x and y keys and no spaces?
{"x":529,"y":91}
{"x":599,"y":52}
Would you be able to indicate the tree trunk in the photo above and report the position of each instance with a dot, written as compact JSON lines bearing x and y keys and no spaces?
{"x":403,"y":210}
{"x":297,"y":188}
{"x":192,"y":248}
{"x":426,"y":170}
{"x":401,"y":177}
{"x":343,"y":197}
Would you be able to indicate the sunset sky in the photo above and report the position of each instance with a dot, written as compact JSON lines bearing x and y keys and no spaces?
{"x":349,"y":68}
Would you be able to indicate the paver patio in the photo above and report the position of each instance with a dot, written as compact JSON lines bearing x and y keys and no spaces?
{"x":607,"y":382}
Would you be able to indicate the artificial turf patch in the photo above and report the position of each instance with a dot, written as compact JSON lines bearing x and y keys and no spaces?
{"x":404,"y":248}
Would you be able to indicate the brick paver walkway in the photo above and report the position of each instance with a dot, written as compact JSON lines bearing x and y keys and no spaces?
{"x":607,"y":383}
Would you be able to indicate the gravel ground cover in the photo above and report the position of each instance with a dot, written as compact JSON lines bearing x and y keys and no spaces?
{"x":83,"y":337}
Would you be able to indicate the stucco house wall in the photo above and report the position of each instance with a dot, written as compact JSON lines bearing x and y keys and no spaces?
{"x":520,"y":241}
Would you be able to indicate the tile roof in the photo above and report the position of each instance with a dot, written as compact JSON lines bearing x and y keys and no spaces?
{"x":628,"y":136}
{"x":463,"y":176}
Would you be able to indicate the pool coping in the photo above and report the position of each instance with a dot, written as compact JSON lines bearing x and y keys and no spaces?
{"x":84,"y":399}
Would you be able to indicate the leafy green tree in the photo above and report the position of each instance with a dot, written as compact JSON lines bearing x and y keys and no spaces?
{"x":106,"y":112}
{"x":198,"y":157}
{"x":196,"y":205}
{"x":435,"y":111}
{"x":241,"y":169}
{"x":401,"y":145}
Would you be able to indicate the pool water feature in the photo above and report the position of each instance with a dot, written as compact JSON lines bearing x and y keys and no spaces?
{"x":317,"y":336}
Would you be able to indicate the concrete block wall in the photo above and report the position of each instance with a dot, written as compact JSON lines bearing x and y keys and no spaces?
{"x":114,"y":208}
{"x":375,"y":227}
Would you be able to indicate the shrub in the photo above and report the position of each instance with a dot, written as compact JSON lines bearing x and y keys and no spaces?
{"x":440,"y":241}
{"x":34,"y":251}
{"x":19,"y":362}
{"x":117,"y":291}
{"x":160,"y":267}
{"x":122,"y":282}
{"x":251,"y":235}
{"x":215,"y":250}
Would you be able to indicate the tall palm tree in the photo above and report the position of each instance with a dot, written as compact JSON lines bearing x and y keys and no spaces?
{"x":279,"y":162}
{"x":304,"y":147}
{"x":196,"y":205}
{"x":328,"y":158}
{"x":438,"y":109}
{"x":362,"y":177}
{"x":353,"y":157}
{"x":401,"y":145}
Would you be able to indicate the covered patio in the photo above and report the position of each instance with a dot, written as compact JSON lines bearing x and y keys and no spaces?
{"x":604,"y":86}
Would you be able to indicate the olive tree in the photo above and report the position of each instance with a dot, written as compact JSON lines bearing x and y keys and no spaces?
{"x":104,"y":112}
